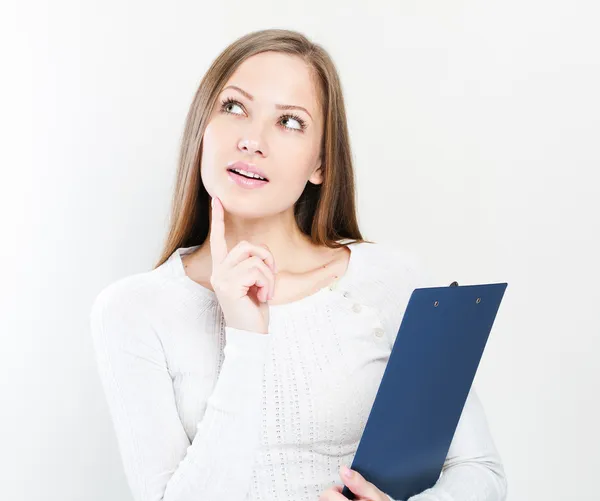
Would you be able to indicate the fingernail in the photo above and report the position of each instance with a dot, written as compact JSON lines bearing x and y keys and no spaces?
{"x":347,"y":472}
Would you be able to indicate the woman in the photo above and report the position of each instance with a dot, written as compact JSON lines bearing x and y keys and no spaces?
{"x":244,"y":365}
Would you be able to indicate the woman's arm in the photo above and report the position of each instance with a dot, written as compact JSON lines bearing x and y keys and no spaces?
{"x":473,"y":470}
{"x":159,"y":461}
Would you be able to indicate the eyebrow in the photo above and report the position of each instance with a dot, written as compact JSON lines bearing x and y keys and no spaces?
{"x":278,"y":106}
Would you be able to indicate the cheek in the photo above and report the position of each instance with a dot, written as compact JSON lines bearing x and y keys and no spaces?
{"x":214,"y":145}
{"x":212,"y":140}
{"x":210,"y":158}
{"x":295,"y":157}
{"x":291,"y":170}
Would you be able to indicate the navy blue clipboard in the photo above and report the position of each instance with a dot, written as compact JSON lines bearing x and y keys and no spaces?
{"x":424,"y":387}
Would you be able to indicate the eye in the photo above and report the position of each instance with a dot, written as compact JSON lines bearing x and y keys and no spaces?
{"x":301,"y":123}
{"x":230,"y":102}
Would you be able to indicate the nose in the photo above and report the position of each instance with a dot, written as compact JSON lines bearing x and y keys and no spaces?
{"x":250,"y":146}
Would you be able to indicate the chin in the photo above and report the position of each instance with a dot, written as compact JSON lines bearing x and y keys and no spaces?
{"x":246,"y":206}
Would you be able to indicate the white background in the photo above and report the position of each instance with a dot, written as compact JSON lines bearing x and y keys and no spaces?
{"x":474,"y":127}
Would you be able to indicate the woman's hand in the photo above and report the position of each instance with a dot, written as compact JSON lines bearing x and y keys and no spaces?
{"x":240,"y":278}
{"x":363,"y":490}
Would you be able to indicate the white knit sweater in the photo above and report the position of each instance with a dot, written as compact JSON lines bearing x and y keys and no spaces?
{"x":204,"y":412}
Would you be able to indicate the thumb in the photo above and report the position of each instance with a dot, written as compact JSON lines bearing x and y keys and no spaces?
{"x":358,"y":484}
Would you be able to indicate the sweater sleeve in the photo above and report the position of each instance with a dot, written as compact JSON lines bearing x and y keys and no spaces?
{"x":473,"y":470}
{"x":159,"y":461}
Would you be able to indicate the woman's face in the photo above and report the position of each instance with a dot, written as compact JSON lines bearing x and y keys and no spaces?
{"x":253,"y":130}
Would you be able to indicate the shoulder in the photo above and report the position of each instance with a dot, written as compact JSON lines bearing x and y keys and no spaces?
{"x":122,"y":323}
{"x":388,"y":274}
{"x":129,"y":296}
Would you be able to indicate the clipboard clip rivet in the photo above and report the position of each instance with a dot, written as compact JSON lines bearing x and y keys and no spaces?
{"x":478,"y":300}
{"x":436,"y":303}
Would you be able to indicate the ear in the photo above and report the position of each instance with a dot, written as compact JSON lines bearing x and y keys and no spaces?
{"x":317,"y":175}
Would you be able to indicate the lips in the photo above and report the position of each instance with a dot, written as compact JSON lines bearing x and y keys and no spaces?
{"x":247,"y":167}
{"x":248,"y":183}
{"x":244,"y":176}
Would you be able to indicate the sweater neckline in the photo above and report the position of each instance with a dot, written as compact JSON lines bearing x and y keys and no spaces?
{"x":339,"y":284}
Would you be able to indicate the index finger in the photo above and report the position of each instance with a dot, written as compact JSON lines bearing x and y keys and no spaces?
{"x":218,"y":244}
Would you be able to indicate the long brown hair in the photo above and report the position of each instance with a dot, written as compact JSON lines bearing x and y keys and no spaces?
{"x":325,"y":212}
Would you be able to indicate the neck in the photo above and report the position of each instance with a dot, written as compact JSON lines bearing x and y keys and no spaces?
{"x":279,"y":232}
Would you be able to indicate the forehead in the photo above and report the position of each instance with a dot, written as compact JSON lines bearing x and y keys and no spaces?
{"x":276,"y":78}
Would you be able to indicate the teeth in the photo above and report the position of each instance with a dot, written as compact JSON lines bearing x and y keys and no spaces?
{"x":248,"y":174}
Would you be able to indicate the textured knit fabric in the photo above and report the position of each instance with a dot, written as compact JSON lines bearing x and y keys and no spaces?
{"x":205,"y":412}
